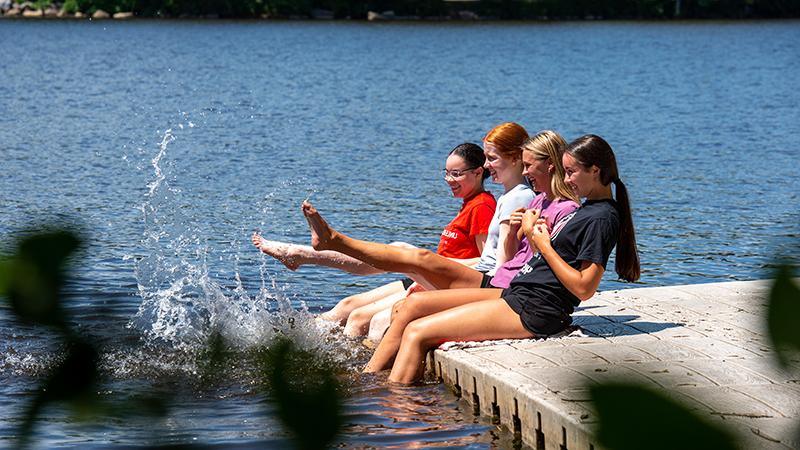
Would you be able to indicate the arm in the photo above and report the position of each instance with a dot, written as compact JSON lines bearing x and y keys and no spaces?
{"x":504,"y":253}
{"x":480,"y":241}
{"x":581,"y":282}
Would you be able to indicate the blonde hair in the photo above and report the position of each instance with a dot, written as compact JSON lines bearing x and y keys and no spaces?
{"x":508,"y":137}
{"x":550,"y":145}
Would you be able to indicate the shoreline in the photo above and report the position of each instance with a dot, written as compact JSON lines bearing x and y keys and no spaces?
{"x":54,"y":12}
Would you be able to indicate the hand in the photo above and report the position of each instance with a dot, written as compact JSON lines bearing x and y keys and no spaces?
{"x":541,"y":234}
{"x":529,"y":219}
{"x":515,"y":220}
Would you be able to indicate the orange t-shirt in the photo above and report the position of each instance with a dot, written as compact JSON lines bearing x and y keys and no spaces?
{"x":458,"y":237}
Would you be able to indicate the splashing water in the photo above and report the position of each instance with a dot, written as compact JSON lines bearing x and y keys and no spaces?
{"x":182,"y":305}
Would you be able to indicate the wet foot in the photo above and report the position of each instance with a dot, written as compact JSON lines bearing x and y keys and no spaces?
{"x":283,"y":252}
{"x":322,"y":235}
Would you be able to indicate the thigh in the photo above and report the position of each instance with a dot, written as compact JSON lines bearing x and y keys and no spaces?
{"x":431,"y":302}
{"x":443,"y":273}
{"x":379,"y":293}
{"x":476,"y":321}
{"x":382,"y":303}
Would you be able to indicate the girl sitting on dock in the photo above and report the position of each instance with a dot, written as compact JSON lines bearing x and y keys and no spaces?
{"x":459,"y":240}
{"x":539,"y":300}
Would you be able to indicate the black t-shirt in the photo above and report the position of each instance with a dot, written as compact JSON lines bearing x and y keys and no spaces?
{"x":590,"y":234}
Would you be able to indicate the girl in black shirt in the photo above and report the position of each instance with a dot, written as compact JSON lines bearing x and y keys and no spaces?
{"x":568,"y":268}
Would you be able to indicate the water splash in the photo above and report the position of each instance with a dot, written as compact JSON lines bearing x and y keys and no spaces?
{"x":182,"y":304}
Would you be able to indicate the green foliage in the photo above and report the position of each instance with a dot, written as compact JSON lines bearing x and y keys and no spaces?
{"x":305,"y":393}
{"x":73,"y":382}
{"x":784,"y":315}
{"x":302,"y":386}
{"x":31,"y":278}
{"x":71,"y":6}
{"x":630,"y":416}
{"x":502,"y":9}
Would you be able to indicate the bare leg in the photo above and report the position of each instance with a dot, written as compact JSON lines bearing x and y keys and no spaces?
{"x":488,"y":319}
{"x":416,"y":306}
{"x":293,"y":256}
{"x":441,"y":272}
{"x":358,"y":321}
{"x":342,"y":310}
{"x":379,"y":324}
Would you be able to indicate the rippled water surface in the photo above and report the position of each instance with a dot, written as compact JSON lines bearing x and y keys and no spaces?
{"x":171,"y":142}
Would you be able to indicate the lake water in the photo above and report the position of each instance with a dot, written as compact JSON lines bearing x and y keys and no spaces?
{"x":171,"y":142}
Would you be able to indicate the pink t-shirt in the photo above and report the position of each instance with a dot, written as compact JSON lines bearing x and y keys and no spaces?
{"x":553,"y":212}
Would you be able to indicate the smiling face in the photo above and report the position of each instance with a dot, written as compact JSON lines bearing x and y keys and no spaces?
{"x":582,"y":180}
{"x":538,"y":171}
{"x":469,"y":180}
{"x":502,"y":170}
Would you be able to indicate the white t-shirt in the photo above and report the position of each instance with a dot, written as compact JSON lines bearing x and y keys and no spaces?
{"x":518,"y":197}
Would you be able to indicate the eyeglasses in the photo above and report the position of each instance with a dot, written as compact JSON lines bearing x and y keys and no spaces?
{"x":456,"y":173}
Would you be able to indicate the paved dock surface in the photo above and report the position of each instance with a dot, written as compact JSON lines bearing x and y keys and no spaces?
{"x":705,"y":345}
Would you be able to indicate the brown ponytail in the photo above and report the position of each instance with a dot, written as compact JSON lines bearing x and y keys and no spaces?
{"x":627,"y":265}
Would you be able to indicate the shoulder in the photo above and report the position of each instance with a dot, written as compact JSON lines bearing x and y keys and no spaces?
{"x":484,"y":200}
{"x":598,"y":215}
{"x":521,"y":193}
{"x":565,"y":206}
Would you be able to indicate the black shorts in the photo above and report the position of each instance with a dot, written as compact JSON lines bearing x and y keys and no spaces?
{"x":407,"y":282}
{"x":538,"y":315}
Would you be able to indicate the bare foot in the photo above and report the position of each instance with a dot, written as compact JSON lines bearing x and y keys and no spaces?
{"x":322,"y":234}
{"x":281,"y":251}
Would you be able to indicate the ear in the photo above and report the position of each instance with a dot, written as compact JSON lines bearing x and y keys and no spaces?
{"x":551,"y":168}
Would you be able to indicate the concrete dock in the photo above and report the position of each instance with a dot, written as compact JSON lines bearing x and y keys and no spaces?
{"x":704,"y":345}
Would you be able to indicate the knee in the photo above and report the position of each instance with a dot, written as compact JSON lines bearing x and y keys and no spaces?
{"x":349,"y":302}
{"x":397,"y":308}
{"x":358,"y":317}
{"x":412,"y":306}
{"x":414,"y":332}
{"x":407,"y":309}
{"x":422,"y":255}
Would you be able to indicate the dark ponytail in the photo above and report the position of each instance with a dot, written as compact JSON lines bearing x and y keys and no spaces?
{"x":473,"y":155}
{"x":592,"y":150}
{"x":627,"y":265}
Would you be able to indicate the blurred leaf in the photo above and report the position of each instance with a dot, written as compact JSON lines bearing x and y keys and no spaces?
{"x":5,"y":274}
{"x":632,"y":417}
{"x":305,"y":394}
{"x":32,"y":277}
{"x":783,"y":318}
{"x":73,"y":381}
{"x":214,"y":360}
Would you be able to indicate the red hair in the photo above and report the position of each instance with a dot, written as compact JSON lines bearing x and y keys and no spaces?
{"x":508,"y":138}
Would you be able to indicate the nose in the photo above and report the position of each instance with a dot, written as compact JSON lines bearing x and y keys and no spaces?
{"x":486,"y":165}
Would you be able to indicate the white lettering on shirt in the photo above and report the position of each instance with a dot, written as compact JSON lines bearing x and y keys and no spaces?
{"x":450,"y":234}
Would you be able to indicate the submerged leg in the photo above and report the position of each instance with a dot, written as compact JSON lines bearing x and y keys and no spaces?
{"x":478,"y":321}
{"x":359,"y":320}
{"x":420,"y":305}
{"x":441,"y":272}
{"x":342,"y":310}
